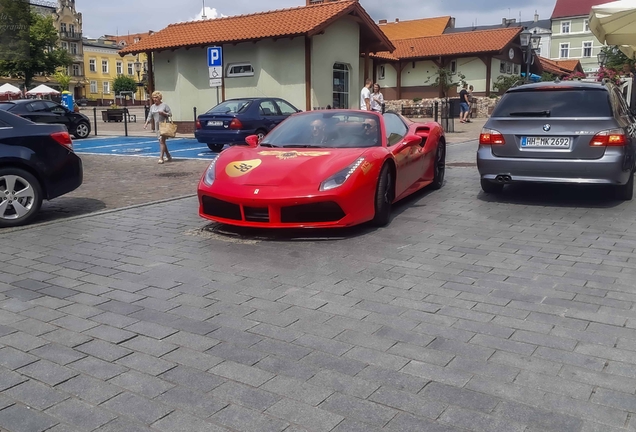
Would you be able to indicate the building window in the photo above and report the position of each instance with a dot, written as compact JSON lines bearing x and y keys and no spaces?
{"x":502,"y":67}
{"x":453,"y":67}
{"x":564,"y":50}
{"x":587,"y":49}
{"x":104,"y":66}
{"x":340,"y":85}
{"x":106,"y":87}
{"x":586,"y":25}
{"x":73,"y":48}
{"x":240,"y":70}
{"x":136,"y":40}
{"x":76,"y":70}
{"x":565,"y":26}
{"x":93,"y":86}
{"x":517,"y":69}
{"x":71,"y":29}
{"x":92,"y":66}
{"x":65,"y":46}
{"x":508,"y":68}
{"x":381,"y":71}
{"x":120,"y":68}
{"x":131,"y":68}
{"x":538,"y":51}
{"x":63,"y":27}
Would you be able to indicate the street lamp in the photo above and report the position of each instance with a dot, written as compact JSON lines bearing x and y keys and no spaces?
{"x":529,"y":43}
{"x":140,"y":84}
{"x":602,"y":57}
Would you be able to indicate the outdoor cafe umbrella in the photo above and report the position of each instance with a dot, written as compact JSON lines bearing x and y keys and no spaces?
{"x":615,"y":24}
{"x":42,"y":90}
{"x":10,"y":90}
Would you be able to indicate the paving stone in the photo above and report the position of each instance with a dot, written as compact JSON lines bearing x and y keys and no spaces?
{"x":362,"y":410}
{"x":35,"y":395}
{"x":13,"y":359}
{"x":178,"y":421}
{"x":80,"y":414}
{"x":244,"y":419}
{"x":312,"y":418}
{"x":137,"y":407}
{"x":192,"y":378}
{"x":250,"y":397}
{"x":47,"y":372}
{"x":143,"y":384}
{"x":241,"y":373}
{"x":58,"y":354}
{"x":191,"y":401}
{"x":89,"y":389}
{"x":18,"y":418}
{"x":146,"y":363}
{"x":22,"y":341}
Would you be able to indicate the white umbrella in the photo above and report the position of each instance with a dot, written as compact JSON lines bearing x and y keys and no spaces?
{"x":9,"y":89}
{"x":615,"y":24}
{"x":42,"y":90}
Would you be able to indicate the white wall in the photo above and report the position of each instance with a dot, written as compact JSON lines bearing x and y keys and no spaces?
{"x":339,"y":44}
{"x":475,"y":71}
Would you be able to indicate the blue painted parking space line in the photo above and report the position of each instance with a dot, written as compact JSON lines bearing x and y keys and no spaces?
{"x":144,"y":146}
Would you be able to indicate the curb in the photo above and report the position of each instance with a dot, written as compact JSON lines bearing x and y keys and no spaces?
{"x":4,"y":231}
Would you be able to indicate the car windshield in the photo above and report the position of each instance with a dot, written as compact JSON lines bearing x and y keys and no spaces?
{"x":326,"y":129}
{"x":231,"y":106}
{"x":555,"y":103}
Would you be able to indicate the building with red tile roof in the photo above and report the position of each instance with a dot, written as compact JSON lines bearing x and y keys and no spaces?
{"x":295,"y":53}
{"x":416,"y":28}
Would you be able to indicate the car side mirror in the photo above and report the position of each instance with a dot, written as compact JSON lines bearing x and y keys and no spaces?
{"x":252,"y":140}
{"x":411,"y":140}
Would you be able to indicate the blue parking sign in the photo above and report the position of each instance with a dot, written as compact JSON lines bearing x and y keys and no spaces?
{"x":215,"y":56}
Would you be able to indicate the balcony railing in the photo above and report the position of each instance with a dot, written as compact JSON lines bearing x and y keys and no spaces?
{"x":70,"y":35}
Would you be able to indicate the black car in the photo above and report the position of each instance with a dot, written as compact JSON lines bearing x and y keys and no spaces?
{"x":36,"y":162}
{"x":46,"y":111}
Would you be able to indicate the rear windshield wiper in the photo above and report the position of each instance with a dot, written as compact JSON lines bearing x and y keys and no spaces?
{"x":267,"y":145}
{"x":544,"y":113}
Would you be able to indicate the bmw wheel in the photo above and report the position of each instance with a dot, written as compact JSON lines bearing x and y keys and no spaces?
{"x":20,"y":197}
{"x":384,"y":195}
{"x":82,"y":130}
{"x":626,"y":192}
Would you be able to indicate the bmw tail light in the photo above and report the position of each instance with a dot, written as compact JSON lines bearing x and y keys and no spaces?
{"x":64,"y":139}
{"x":609,"y":138}
{"x":198,"y":124}
{"x":236,"y":124}
{"x":491,"y":137}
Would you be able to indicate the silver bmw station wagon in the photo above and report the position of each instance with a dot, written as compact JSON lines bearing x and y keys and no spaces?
{"x":559,"y":132}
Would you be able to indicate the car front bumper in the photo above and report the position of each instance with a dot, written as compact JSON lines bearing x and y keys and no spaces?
{"x":608,"y":169}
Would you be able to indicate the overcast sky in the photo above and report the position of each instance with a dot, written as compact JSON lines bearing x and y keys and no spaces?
{"x":136,"y":16}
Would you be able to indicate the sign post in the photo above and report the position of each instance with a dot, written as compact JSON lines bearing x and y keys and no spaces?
{"x":215,"y":68}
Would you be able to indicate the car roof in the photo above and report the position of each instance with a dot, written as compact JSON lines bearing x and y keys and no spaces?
{"x":556,"y":84}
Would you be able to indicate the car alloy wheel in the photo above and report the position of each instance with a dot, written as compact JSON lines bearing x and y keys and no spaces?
{"x":20,"y":197}
{"x":440,"y":166}
{"x":82,"y":130}
{"x":383,"y":197}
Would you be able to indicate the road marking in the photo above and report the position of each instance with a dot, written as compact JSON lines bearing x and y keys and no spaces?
{"x":120,"y":145}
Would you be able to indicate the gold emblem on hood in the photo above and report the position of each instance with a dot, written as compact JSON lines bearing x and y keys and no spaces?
{"x":282,"y":154}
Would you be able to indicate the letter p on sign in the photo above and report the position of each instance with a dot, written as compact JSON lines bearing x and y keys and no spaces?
{"x":215,"y":56}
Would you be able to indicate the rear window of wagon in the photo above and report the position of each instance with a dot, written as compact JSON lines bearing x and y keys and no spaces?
{"x":555,"y":103}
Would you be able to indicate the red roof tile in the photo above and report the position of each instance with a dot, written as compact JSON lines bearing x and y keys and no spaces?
{"x":568,"y":65}
{"x":415,"y":28}
{"x":560,"y":67}
{"x":303,"y":20}
{"x":574,"y":8}
{"x":453,"y":44}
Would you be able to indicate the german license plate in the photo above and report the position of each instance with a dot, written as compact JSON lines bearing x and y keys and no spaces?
{"x":215,"y":123}
{"x":546,"y":142}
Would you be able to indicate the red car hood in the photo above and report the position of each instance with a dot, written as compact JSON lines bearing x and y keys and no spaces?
{"x":264,"y":166}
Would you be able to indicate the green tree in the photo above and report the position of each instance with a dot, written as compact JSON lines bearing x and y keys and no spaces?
{"x":124,"y":83}
{"x":504,"y":82}
{"x":616,"y":59}
{"x":63,"y":80}
{"x":444,"y":80}
{"x":28,"y":43}
{"x":547,"y":76}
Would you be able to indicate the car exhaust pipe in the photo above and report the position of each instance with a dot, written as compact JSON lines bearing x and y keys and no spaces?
{"x":503,"y":179}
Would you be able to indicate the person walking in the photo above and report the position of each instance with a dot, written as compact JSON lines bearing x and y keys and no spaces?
{"x":159,"y":112}
{"x":376,"y":99}
{"x":365,"y":95}
{"x":464,"y":104}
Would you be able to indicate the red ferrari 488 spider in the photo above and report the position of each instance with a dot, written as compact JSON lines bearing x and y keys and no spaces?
{"x":327,"y":168}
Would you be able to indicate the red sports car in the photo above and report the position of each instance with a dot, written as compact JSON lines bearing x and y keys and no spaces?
{"x":327,"y":168}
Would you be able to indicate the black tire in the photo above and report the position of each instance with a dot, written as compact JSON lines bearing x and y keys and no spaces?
{"x":261,"y":134}
{"x":216,"y":147}
{"x":440,"y":166}
{"x":490,"y":187}
{"x":82,"y":130}
{"x":626,"y":192}
{"x":23,"y":181}
{"x":384,"y":195}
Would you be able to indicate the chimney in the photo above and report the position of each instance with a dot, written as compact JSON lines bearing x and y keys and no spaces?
{"x":451,"y":23}
{"x":397,"y":20}
{"x":536,"y":16}
{"x":503,"y":22}
{"x":383,"y":21}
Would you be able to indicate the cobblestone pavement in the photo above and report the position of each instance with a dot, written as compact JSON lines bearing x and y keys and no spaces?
{"x":466,"y":313}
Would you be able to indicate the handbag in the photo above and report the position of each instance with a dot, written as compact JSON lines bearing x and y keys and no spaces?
{"x":168,"y":129}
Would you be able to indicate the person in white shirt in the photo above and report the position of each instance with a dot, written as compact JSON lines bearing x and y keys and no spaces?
{"x":376,"y":98}
{"x":365,"y":95}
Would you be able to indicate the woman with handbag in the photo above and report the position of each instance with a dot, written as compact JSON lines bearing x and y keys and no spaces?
{"x":161,"y":113}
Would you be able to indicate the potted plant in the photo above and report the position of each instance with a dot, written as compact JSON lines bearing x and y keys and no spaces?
{"x":114,"y":113}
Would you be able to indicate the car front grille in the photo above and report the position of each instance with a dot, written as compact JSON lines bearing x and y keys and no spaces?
{"x":219,"y":208}
{"x":327,"y":211}
{"x":256,"y":214}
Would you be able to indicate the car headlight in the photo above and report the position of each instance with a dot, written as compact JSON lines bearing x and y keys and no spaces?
{"x":341,"y":176}
{"x":210,"y":173}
